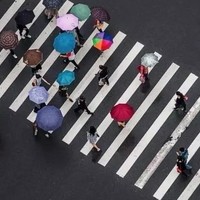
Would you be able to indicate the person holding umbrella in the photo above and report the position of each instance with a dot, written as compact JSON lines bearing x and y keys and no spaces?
{"x":22,"y":19}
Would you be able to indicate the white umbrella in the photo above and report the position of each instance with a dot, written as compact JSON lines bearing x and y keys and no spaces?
{"x":149,"y":60}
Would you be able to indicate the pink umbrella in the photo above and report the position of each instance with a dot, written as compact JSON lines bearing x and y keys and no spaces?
{"x":67,"y":22}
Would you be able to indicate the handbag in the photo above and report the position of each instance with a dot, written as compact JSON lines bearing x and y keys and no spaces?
{"x":142,"y":78}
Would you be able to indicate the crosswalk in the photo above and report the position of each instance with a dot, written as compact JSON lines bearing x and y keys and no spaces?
{"x":164,"y":82}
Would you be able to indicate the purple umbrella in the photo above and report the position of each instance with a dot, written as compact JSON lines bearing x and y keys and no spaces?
{"x":49,"y":118}
{"x":100,"y":14}
{"x":38,"y":94}
{"x":67,"y":22}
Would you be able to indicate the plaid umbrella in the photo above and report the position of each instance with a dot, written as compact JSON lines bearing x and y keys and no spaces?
{"x":67,"y":22}
{"x":52,"y":3}
{"x":33,"y":57}
{"x":81,"y":11}
{"x":49,"y":118}
{"x":8,"y":40}
{"x":102,"y":41}
{"x":24,"y":17}
{"x":38,"y":94}
{"x":100,"y":14}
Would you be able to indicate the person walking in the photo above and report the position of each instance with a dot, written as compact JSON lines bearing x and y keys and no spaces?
{"x":63,"y":92}
{"x":183,"y":152}
{"x":21,"y":29}
{"x":143,"y":73}
{"x":98,"y":25}
{"x":70,"y":57}
{"x":38,"y":80}
{"x":82,"y":105}
{"x":103,"y":75}
{"x":51,"y":12}
{"x":121,"y":124}
{"x":180,"y":101}
{"x":92,"y":136}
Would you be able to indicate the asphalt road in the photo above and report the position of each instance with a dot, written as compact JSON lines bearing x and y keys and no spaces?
{"x":49,"y":169}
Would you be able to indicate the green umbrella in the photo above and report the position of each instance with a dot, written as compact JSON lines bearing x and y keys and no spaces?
{"x":81,"y":11}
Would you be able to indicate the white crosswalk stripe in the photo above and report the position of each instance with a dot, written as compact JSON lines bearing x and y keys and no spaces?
{"x":117,"y":76}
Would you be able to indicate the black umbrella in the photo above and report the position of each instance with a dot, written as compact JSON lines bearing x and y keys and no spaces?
{"x":24,"y":17}
{"x":52,"y":3}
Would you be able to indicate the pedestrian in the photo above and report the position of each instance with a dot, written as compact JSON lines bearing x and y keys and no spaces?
{"x":79,"y":37}
{"x":121,"y":124}
{"x":70,"y":58}
{"x":183,"y":152}
{"x":98,"y":25}
{"x":181,"y":166}
{"x":180,"y":101}
{"x":38,"y":80}
{"x":82,"y":105}
{"x":143,"y":73}
{"x":103,"y":75}
{"x":63,"y":92}
{"x":92,"y":136}
{"x":13,"y":53}
{"x":51,"y":12}
{"x":35,"y":68}
{"x":21,"y":29}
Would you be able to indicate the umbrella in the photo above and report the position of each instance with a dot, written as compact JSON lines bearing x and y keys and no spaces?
{"x":8,"y":40}
{"x":81,"y":11}
{"x":100,"y":13}
{"x":149,"y":60}
{"x":33,"y":57}
{"x":67,"y":22}
{"x":38,"y":94}
{"x":102,"y":41}
{"x":49,"y":118}
{"x":64,"y":42}
{"x":122,"y":112}
{"x":24,"y":17}
{"x":65,"y":78}
{"x":52,"y":3}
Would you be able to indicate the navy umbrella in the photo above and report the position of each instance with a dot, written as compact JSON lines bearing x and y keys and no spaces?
{"x":24,"y":17}
{"x":49,"y":118}
{"x":52,"y":3}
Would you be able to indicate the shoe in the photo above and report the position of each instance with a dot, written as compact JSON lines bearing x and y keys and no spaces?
{"x":23,"y":37}
{"x":14,"y":56}
{"x":98,"y":149}
{"x":70,"y":100}
{"x":47,"y":135}
{"x":90,"y":113}
{"x":35,"y":132}
{"x":64,"y":60}
{"x":77,"y":67}
{"x":28,"y":36}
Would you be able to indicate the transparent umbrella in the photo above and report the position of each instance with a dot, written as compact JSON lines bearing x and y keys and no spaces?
{"x":149,"y":60}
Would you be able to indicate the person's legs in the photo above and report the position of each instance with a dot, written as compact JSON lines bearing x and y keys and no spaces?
{"x":88,"y":111}
{"x":96,"y":147}
{"x":13,"y":53}
{"x":74,"y":62}
{"x":106,"y":81}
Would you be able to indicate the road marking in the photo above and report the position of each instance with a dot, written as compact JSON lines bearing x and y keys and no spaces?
{"x":138,"y":114}
{"x":79,"y":56}
{"x":160,"y":120}
{"x":36,"y":45}
{"x":10,"y":13}
{"x":37,"y":11}
{"x":143,"y":179}
{"x":103,"y":92}
{"x":124,"y":98}
{"x":45,"y":67}
{"x":173,"y":175}
{"x":191,"y":187}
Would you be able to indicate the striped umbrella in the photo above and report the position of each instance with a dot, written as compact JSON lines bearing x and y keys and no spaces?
{"x":102,"y":41}
{"x":8,"y":40}
{"x":100,"y":14}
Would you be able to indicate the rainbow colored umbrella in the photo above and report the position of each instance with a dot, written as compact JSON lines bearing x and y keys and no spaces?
{"x":102,"y":41}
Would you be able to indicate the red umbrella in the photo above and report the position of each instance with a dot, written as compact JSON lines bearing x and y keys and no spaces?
{"x":122,"y":112}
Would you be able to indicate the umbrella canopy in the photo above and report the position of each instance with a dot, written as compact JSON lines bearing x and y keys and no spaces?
{"x":8,"y":40}
{"x":100,"y":13}
{"x":52,"y":3}
{"x":81,"y":11}
{"x":122,"y":112}
{"x":38,"y":94}
{"x":67,"y":22}
{"x":102,"y":41}
{"x":49,"y":118}
{"x":33,"y":57}
{"x":149,"y":60}
{"x":65,"y":78}
{"x":64,"y":42}
{"x":24,"y":17}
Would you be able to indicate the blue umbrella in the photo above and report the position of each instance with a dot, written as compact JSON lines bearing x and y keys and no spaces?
{"x":38,"y":94}
{"x":49,"y":118}
{"x":64,"y":42}
{"x":65,"y":78}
